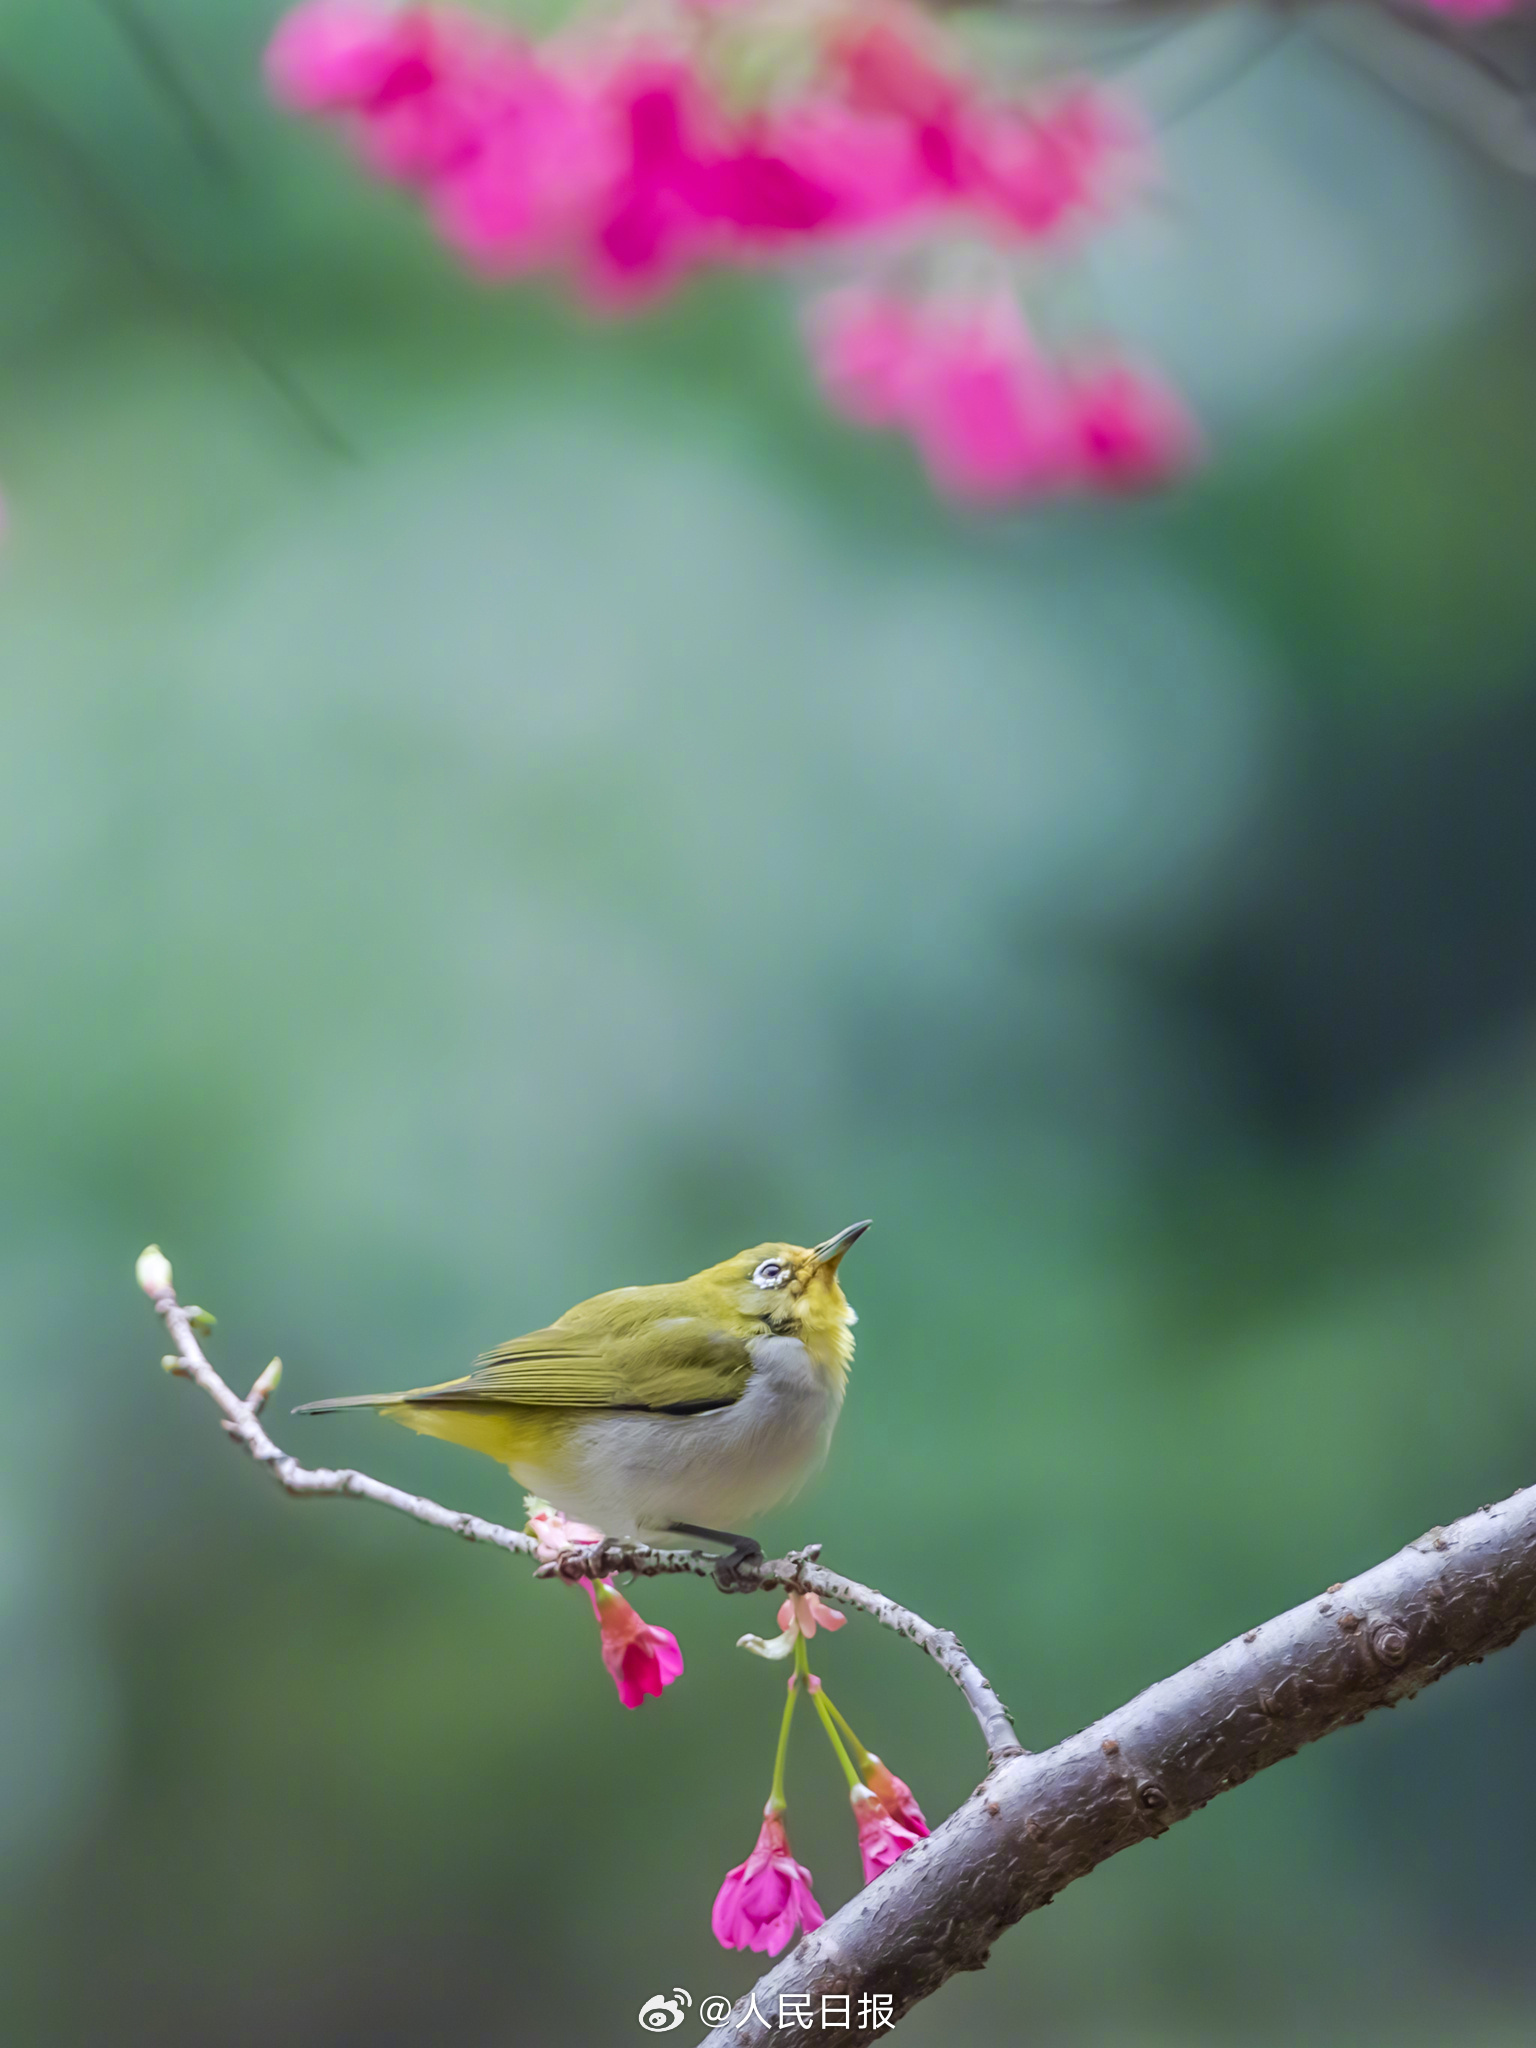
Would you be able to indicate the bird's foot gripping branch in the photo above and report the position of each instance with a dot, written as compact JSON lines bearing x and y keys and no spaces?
{"x":765,"y":1900}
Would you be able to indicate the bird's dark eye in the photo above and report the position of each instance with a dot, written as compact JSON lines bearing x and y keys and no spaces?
{"x":770,"y":1273}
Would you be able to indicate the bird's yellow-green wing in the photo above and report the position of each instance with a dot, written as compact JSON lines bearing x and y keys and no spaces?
{"x":545,"y":1367}
{"x":678,"y":1365}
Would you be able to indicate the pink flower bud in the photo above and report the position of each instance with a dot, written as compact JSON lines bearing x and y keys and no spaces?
{"x":882,"y":1838}
{"x":641,"y":1659}
{"x":765,"y":196}
{"x":764,"y":1900}
{"x":1132,"y":429}
{"x":986,"y":409}
{"x":652,"y":222}
{"x":1038,"y":168}
{"x":864,"y":346}
{"x":866,"y":163}
{"x":525,"y":196}
{"x":555,"y":1532}
{"x":152,"y":1270}
{"x":420,"y":89}
{"x":892,"y":1794}
{"x":329,"y":55}
{"x":884,"y":71}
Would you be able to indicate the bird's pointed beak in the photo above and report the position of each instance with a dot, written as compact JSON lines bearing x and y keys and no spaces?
{"x":828,"y":1254}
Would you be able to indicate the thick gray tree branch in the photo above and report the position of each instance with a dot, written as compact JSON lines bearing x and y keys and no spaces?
{"x":798,"y":1573}
{"x":1038,"y":1822}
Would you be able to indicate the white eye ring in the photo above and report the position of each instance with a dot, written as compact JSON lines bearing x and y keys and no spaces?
{"x":769,"y":1274}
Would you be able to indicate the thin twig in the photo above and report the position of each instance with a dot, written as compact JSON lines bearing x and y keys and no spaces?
{"x":799,"y":1572}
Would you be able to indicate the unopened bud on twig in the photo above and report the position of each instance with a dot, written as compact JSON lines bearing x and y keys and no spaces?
{"x":171,"y":1363}
{"x":202,"y":1320}
{"x":153,"y":1271}
{"x":265,"y":1387}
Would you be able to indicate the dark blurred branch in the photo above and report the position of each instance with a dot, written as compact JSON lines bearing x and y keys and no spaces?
{"x":153,"y":54}
{"x":799,"y":1572}
{"x":1038,"y":1822}
{"x":1476,"y":78}
{"x":97,"y":201}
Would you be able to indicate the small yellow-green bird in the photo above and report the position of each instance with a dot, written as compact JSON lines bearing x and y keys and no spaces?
{"x":687,"y":1409}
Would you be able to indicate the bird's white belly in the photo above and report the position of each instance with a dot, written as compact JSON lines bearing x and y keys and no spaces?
{"x":635,"y":1475}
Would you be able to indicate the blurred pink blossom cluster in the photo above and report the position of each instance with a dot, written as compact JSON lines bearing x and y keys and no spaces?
{"x":992,"y":416}
{"x":624,"y":153}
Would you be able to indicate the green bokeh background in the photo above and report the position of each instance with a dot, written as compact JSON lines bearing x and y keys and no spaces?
{"x":614,"y":815}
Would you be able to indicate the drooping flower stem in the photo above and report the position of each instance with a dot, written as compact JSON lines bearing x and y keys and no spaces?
{"x":803,"y":1676}
{"x":776,"y":1801}
{"x":860,"y":1753}
{"x":836,"y":1741}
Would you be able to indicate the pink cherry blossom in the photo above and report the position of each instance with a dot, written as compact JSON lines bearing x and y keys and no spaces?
{"x":1131,"y":428}
{"x":993,"y":418}
{"x":864,"y":163}
{"x":765,"y":196}
{"x":642,"y":1659}
{"x":884,"y":70}
{"x":882,"y":1837}
{"x":652,"y":223}
{"x":985,"y":408}
{"x":330,"y":55}
{"x":864,"y":344}
{"x":524,"y":196}
{"x":1027,"y":166}
{"x":624,"y":159}
{"x":800,"y":1615}
{"x":649,"y":234}
{"x":456,"y":81}
{"x":892,"y":1794}
{"x":554,"y":1531}
{"x":419,"y":88}
{"x":1039,"y":167}
{"x":764,"y":1900}
{"x":807,"y":1612}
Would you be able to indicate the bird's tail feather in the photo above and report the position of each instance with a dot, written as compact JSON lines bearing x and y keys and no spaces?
{"x":350,"y":1401}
